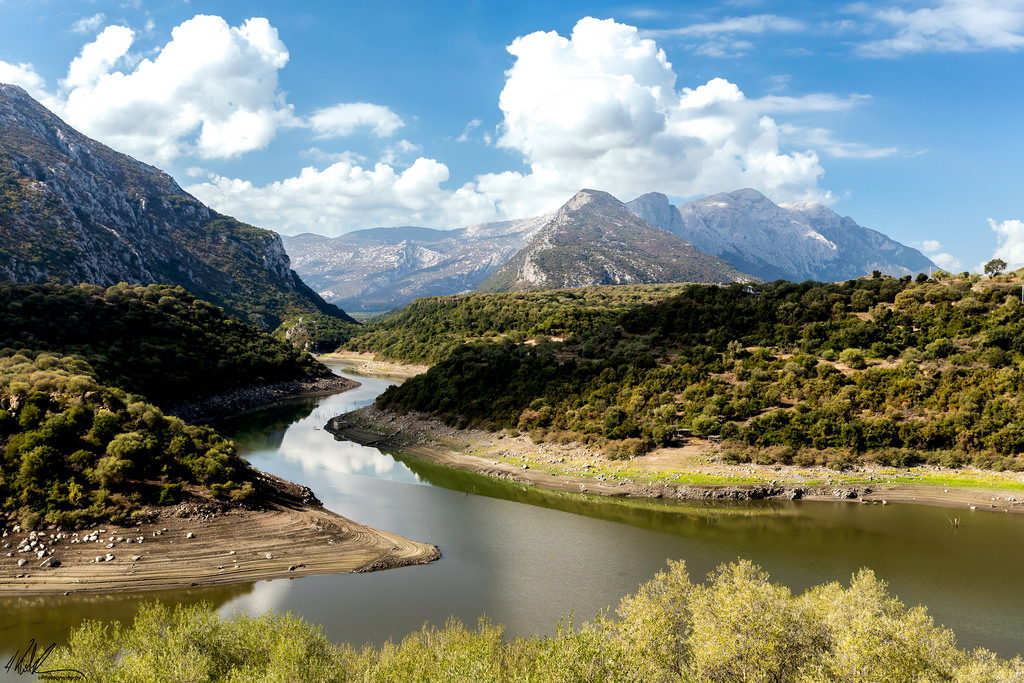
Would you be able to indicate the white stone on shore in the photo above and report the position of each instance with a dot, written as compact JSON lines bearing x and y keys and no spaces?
{"x":190,"y":535}
{"x":136,"y":558}
{"x":270,"y":556}
{"x":22,"y":562}
{"x":109,"y":557}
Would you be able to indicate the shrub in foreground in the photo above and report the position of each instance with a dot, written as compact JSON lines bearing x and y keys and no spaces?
{"x":736,"y":626}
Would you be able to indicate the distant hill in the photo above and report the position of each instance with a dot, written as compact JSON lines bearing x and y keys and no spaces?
{"x":796,"y":242}
{"x":383,"y":268}
{"x":75,"y":211}
{"x":595,"y":240}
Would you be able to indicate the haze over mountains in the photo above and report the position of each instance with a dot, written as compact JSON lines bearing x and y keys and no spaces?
{"x":75,"y":211}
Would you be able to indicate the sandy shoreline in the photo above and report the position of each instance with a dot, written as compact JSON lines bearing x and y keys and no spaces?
{"x":188,"y":545}
{"x":689,"y":473}
{"x":368,"y":364}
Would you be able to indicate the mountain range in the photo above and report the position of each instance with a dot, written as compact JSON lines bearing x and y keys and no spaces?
{"x":73,"y":210}
{"x":739,"y":235}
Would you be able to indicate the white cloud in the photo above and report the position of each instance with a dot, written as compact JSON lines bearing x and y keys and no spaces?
{"x":346,"y":196}
{"x":1010,"y":238}
{"x":946,"y":261}
{"x":211,"y":91}
{"x":758,"y":23}
{"x":949,"y":26}
{"x":931,"y":245}
{"x":600,"y":109}
{"x":88,"y":24}
{"x":345,"y":119}
{"x":97,"y":57}
{"x":822,"y":139}
{"x":470,"y":127}
{"x":24,"y":75}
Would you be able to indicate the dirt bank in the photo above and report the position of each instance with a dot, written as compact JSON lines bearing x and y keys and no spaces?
{"x":203,"y":544}
{"x":368,"y":364}
{"x":691,"y":472}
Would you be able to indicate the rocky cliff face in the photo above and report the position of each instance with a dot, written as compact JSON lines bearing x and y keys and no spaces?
{"x":74,"y":210}
{"x":595,"y":240}
{"x":383,"y":268}
{"x":791,"y":241}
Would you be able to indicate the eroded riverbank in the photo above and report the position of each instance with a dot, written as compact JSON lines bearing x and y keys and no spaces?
{"x":692,"y":472}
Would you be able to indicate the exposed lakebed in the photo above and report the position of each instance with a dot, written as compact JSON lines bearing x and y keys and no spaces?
{"x":525,"y":557}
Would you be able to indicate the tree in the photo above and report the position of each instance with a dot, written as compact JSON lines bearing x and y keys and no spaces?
{"x":995,"y":267}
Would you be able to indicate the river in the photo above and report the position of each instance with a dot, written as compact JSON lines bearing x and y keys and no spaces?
{"x":526,"y":558}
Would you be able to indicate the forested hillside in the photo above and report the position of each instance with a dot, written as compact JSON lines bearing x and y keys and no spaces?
{"x":427,"y":330}
{"x":894,"y":370}
{"x":76,"y":451}
{"x":154,"y":340}
{"x":79,"y":367}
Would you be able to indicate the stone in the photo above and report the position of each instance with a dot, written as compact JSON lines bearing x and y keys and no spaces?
{"x":50,"y":562}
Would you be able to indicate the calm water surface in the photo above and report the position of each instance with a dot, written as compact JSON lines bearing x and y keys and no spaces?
{"x":525,"y":558}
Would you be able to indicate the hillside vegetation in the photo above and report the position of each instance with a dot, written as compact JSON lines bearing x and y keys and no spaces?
{"x":830,"y":373}
{"x":155,"y":340}
{"x":429,"y":329}
{"x":739,"y":626}
{"x":80,"y":371}
{"x":77,"y":451}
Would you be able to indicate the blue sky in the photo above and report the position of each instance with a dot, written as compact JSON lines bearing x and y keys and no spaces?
{"x":332,"y":116}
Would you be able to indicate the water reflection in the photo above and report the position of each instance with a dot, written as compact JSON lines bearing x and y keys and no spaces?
{"x":526,"y":557}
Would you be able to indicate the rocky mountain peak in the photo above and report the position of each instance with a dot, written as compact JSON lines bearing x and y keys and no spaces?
{"x":594,"y":239}
{"x":798,"y":241}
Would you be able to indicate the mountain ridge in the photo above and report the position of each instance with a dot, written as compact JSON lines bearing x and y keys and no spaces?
{"x":797,"y":241}
{"x":74,"y":210}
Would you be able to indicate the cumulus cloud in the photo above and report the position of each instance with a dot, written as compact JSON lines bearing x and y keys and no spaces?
{"x":601,"y":109}
{"x":1010,"y":238}
{"x":211,"y":91}
{"x":24,"y":75}
{"x":345,"y":119}
{"x":949,"y":26}
{"x":342,"y":197}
